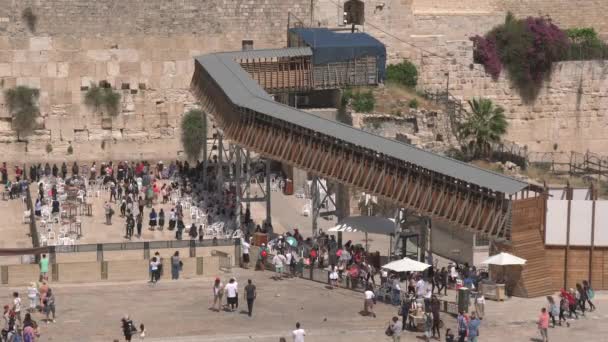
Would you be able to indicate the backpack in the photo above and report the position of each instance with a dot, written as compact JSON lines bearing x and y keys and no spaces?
{"x":264,"y":254}
{"x":590,"y":293}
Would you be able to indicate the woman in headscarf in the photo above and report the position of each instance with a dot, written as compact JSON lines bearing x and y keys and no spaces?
{"x":128,"y":328}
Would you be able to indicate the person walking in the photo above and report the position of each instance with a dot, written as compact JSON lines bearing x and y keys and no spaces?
{"x":581,"y":297}
{"x":563,"y":307}
{"x":17,"y":306}
{"x":543,"y":324}
{"x":49,"y":306}
{"x":218,"y":294}
{"x":462,"y":326}
{"x":298,"y":334}
{"x":139,"y":224}
{"x":428,"y":326}
{"x":552,"y":309}
{"x":33,"y":295}
{"x":396,"y":328}
{"x":232,"y":293}
{"x":142,"y":332}
{"x":130,"y":225}
{"x":473,"y":327}
{"x":109,"y":212}
{"x":480,"y":305}
{"x":251,"y":293}
{"x":153,"y":218}
{"x":245,"y":246}
{"x":435,"y":308}
{"x":154,"y":270}
{"x":44,"y":268}
{"x":279,"y":261}
{"x":161,"y":219}
{"x":176,"y":265}
{"x":128,"y":328}
{"x":368,"y":303}
{"x":590,"y":294}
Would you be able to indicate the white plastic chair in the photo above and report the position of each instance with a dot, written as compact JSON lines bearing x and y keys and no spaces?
{"x":26,"y":216}
{"x":306,"y":209}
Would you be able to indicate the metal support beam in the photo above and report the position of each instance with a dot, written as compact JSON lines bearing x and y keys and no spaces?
{"x":268,"y":215}
{"x":314,"y":192}
{"x":220,"y":166}
{"x":239,"y":165}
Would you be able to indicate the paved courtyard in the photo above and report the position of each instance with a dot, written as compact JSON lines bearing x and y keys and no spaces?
{"x":178,"y":311}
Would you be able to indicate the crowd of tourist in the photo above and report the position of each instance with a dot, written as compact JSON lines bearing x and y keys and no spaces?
{"x":19,"y":323}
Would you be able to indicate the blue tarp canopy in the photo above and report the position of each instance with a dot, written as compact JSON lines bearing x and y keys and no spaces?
{"x":330,"y":46}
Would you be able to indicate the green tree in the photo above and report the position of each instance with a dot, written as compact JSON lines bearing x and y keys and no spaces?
{"x":22,"y":105}
{"x":194,"y":133}
{"x":484,"y":125}
{"x":103,"y":98}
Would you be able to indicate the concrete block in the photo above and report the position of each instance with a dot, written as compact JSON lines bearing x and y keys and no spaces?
{"x":211,"y":266}
{"x":79,"y":272}
{"x":20,"y":275}
{"x":123,"y":270}
{"x":40,"y":43}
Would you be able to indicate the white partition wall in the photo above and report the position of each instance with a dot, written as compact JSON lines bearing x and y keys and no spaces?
{"x":580,"y":223}
{"x":556,"y":222}
{"x":601,"y":223}
{"x":581,"y":215}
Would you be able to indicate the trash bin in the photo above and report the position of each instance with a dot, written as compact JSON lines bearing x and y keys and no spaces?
{"x":463,"y":299}
{"x":288,"y":189}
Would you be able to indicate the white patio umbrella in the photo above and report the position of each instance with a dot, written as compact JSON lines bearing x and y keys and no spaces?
{"x":406,"y":265}
{"x":504,"y":259}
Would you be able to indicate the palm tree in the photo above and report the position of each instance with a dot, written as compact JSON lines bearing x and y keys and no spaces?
{"x":484,"y":125}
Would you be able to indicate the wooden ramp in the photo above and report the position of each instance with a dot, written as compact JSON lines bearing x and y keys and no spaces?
{"x":528,"y":243}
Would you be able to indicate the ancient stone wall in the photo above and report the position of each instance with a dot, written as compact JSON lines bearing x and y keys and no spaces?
{"x":143,"y":48}
{"x":434,"y":34}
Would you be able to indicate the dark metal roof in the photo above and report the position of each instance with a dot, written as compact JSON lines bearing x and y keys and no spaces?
{"x":270,"y":53}
{"x":243,"y":91}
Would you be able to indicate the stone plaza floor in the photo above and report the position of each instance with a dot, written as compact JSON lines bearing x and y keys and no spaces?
{"x":178,"y":311}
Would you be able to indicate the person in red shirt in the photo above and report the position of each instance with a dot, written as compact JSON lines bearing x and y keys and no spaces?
{"x":543,"y":324}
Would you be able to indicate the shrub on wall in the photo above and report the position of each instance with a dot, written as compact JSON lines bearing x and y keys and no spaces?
{"x":585,"y":44}
{"x":361,"y":101}
{"x":21,"y":103}
{"x":103,"y":98}
{"x":403,"y":73}
{"x":194,"y":133}
{"x":526,"y":47}
{"x":30,"y":19}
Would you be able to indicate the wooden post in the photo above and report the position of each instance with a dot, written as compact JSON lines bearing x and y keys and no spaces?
{"x":569,"y":199}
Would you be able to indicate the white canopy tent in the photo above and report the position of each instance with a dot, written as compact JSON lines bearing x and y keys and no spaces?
{"x":406,"y":265}
{"x":504,"y":259}
{"x":366,"y":224}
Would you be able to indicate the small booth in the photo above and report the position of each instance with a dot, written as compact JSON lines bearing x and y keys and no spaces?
{"x":496,"y":290}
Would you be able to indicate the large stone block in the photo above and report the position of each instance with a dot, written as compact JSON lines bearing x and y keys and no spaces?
{"x":6,"y":70}
{"x":102,"y":55}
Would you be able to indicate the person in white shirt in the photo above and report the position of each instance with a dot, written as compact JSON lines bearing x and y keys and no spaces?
{"x":245,"y":246}
{"x":17,"y":306}
{"x":32,"y":295}
{"x":298,"y":334}
{"x":368,"y":304}
{"x":480,"y":304}
{"x":420,"y":288}
{"x":232,"y":293}
{"x":279,"y":261}
{"x":333,"y":277}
